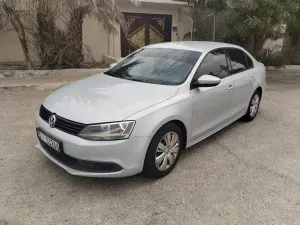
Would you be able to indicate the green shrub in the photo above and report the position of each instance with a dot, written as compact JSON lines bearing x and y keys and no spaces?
{"x":294,"y":56}
{"x":273,"y":57}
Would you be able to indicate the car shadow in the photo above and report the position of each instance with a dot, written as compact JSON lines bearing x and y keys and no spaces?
{"x":206,"y":142}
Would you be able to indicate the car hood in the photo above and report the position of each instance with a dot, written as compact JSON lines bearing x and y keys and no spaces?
{"x":101,"y":98}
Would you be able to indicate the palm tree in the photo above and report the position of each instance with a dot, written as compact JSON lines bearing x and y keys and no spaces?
{"x":55,"y":47}
{"x":106,"y":12}
{"x":10,"y":12}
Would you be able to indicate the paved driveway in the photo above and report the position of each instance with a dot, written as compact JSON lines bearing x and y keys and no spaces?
{"x":248,"y":173}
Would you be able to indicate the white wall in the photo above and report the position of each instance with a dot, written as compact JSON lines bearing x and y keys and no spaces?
{"x":278,"y":44}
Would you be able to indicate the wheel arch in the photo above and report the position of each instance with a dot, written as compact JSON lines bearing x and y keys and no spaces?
{"x":175,"y":121}
{"x":182,"y":127}
{"x":259,"y":88}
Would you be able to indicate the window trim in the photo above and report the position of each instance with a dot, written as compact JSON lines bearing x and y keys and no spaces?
{"x":229,"y":72}
{"x":247,"y":56}
{"x":228,"y":62}
{"x":249,"y":68}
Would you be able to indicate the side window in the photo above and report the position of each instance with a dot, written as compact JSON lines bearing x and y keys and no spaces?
{"x":250,"y":62}
{"x":238,"y":60}
{"x":214,"y":64}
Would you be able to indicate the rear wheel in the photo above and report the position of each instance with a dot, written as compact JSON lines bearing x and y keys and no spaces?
{"x":163,"y":151}
{"x":253,"y":106}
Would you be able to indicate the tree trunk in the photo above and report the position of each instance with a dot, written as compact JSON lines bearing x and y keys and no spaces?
{"x":28,"y":60}
{"x":258,"y":45}
{"x":255,"y":44}
{"x":45,"y":36}
{"x":74,"y":55}
{"x":250,"y":44}
{"x":287,"y":42}
{"x":20,"y":30}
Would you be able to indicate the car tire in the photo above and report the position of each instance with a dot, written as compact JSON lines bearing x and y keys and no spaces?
{"x":162,"y":154}
{"x":253,"y":106}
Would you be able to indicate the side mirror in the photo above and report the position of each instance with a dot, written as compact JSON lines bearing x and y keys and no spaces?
{"x":112,"y":65}
{"x":207,"y":81}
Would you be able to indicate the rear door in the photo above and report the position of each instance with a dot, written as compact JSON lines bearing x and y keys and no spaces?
{"x":212,"y":106}
{"x":242,"y":74}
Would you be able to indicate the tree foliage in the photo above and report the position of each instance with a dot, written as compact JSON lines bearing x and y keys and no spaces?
{"x":293,"y":31}
{"x":264,"y":17}
{"x":253,"y":21}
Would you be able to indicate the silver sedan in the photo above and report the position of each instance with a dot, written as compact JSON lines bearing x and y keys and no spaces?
{"x":141,"y":113}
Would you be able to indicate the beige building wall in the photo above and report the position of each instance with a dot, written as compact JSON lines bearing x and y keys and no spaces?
{"x":94,"y":37}
{"x":96,"y":40}
{"x":10,"y":47}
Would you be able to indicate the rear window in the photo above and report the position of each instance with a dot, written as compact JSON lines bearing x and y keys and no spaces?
{"x":238,"y":60}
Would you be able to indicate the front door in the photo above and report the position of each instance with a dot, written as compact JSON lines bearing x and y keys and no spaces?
{"x":145,"y":29}
{"x":212,"y":106}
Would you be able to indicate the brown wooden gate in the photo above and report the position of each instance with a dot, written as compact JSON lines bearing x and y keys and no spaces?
{"x":145,"y":29}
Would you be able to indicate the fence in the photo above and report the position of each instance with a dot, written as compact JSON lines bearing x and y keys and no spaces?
{"x":207,"y":26}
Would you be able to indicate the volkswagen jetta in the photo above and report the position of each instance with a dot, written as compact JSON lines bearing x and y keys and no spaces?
{"x":141,"y":113}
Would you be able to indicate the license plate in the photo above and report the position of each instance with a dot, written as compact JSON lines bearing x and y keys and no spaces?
{"x":49,"y":141}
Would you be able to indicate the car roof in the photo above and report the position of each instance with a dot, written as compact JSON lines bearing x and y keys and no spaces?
{"x":199,"y":46}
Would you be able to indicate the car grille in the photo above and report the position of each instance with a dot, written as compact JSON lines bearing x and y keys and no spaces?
{"x":81,"y":165}
{"x":61,"y":123}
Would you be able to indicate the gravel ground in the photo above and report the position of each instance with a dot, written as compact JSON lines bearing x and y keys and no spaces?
{"x":246,"y":174}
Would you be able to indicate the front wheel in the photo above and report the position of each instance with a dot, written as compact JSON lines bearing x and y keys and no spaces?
{"x":163,"y":151}
{"x":253,"y":106}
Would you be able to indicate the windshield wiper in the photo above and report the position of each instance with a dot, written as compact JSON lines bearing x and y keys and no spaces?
{"x":126,"y":77}
{"x":110,"y":73}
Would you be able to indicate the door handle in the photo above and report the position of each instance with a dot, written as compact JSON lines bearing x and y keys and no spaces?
{"x":252,"y":78}
{"x":230,"y":87}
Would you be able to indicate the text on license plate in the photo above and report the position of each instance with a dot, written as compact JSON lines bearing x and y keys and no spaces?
{"x":53,"y":144}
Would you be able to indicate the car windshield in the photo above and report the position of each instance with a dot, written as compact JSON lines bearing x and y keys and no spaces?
{"x":156,"y":66}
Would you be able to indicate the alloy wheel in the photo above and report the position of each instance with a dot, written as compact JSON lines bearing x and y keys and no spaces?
{"x":167,"y":151}
{"x":254,"y":105}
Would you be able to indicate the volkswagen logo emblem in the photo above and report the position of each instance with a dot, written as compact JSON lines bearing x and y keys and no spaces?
{"x":52,"y":120}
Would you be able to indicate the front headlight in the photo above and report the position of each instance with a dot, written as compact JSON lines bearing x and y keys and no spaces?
{"x":108,"y":131}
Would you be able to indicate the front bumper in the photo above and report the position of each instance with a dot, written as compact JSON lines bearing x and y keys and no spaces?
{"x":95,"y":158}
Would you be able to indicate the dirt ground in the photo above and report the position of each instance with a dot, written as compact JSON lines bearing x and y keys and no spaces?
{"x":246,"y":174}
